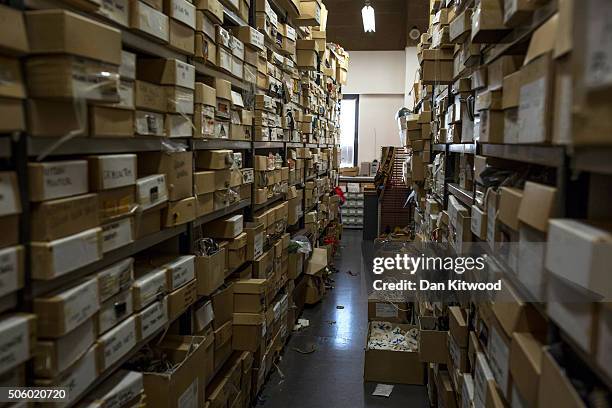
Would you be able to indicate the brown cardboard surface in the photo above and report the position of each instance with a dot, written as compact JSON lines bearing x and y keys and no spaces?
{"x":526,"y":366}
{"x":115,"y":202}
{"x":179,"y":212}
{"x":433,"y":345}
{"x":509,"y":203}
{"x":214,"y":159}
{"x":227,"y":228}
{"x":223,"y":305}
{"x":538,"y":205}
{"x":180,"y":299}
{"x":210,"y":271}
{"x":177,"y":166}
{"x":61,"y":31}
{"x":110,"y":122}
{"x":59,"y":218}
{"x":13,"y":36}
{"x":516,"y":315}
{"x":458,"y":327}
{"x":555,"y":388}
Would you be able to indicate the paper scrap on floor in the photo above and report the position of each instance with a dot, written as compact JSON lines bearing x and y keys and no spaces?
{"x":301,"y":324}
{"x":383,"y":390}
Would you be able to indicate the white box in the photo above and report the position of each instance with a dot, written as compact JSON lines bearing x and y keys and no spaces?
{"x":151,"y":191}
{"x":117,"y":343}
{"x":117,"y":234}
{"x":57,"y":258}
{"x":121,"y":387}
{"x":151,"y":319}
{"x":148,"y":287}
{"x":184,"y":12}
{"x":180,"y":271}
{"x":148,"y":20}
{"x":112,"y":171}
{"x":14,"y":342}
{"x":149,"y":123}
{"x":580,"y":253}
{"x":114,"y":310}
{"x":116,"y":278}
{"x":49,"y":180}
{"x":9,"y":194}
{"x":11,"y":269}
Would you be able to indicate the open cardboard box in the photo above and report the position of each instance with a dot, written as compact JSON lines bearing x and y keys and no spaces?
{"x":433,"y":345}
{"x":397,"y":367}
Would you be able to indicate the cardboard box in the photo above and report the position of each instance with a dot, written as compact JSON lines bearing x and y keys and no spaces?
{"x":580,"y":252}
{"x":179,"y":212}
{"x":555,"y":387}
{"x":249,"y":295}
{"x":49,"y":180}
{"x":433,"y":344}
{"x":59,"y":31}
{"x":249,"y":329}
{"x":116,"y":202}
{"x":55,"y":356}
{"x":12,"y":116}
{"x":226,"y":228}
{"x":509,"y":203}
{"x":13,"y":269}
{"x":110,"y":122}
{"x":149,"y":96}
{"x":177,"y":168}
{"x":212,"y":8}
{"x":237,"y":251}
{"x":111,"y":171}
{"x":514,"y":314}
{"x":151,"y":191}
{"x":187,"y":381}
{"x":62,"y":217}
{"x":63,"y":311}
{"x":115,"y":310}
{"x":14,"y":40}
{"x":458,"y":327}
{"x":116,"y":278}
{"x":167,"y":71}
{"x":150,"y":320}
{"x":250,"y":36}
{"x":56,"y":258}
{"x":214,"y":159}
{"x":210,"y":272}
{"x":538,"y":205}
{"x":151,"y":284}
{"x":149,"y":123}
{"x":124,"y":385}
{"x":149,"y":21}
{"x":394,"y":367}
{"x":223,"y":305}
{"x":181,"y":11}
{"x":180,"y":299}
{"x":526,"y":366}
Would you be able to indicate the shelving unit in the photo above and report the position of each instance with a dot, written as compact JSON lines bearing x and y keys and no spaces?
{"x":87,"y":145}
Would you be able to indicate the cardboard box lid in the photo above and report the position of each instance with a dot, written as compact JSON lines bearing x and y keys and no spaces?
{"x":317,"y":262}
{"x":250,"y":286}
{"x":63,"y":32}
{"x":13,"y":37}
{"x":538,"y":205}
{"x":509,"y":203}
{"x":239,"y":242}
{"x":543,"y":39}
{"x":526,"y":365}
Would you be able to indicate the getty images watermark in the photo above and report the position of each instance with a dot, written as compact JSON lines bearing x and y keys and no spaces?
{"x":432,"y":273}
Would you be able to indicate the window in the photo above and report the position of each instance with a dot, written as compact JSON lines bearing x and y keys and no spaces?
{"x":349,"y":111}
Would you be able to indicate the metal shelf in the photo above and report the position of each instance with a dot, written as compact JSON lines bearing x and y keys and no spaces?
{"x":592,"y":159}
{"x":294,"y":144}
{"x":221,"y":213}
{"x":42,"y":287}
{"x":551,"y":156}
{"x":268,"y":145}
{"x":438,"y":147}
{"x":5,"y":147}
{"x":233,"y":17}
{"x":462,"y":195}
{"x":200,"y":144}
{"x":466,"y":148}
{"x":203,"y":69}
{"x":311,"y":145}
{"x":92,"y":145}
{"x":257,"y":207}
{"x":356,"y":179}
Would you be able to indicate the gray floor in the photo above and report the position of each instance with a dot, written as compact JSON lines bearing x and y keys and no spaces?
{"x":332,"y":376}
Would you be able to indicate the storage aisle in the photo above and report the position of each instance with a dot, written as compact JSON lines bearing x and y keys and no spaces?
{"x":332,"y":375}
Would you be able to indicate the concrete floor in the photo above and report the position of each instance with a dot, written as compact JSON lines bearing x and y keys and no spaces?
{"x":332,"y":376}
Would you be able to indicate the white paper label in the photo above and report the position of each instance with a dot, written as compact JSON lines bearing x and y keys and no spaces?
{"x":117,"y":234}
{"x":14,"y":342}
{"x":599,"y":37}
{"x":61,"y":179}
{"x":9,"y":203}
{"x":189,"y":398}
{"x":9,"y":270}
{"x":386,"y":310}
{"x":117,"y":171}
{"x":152,"y":191}
{"x":258,"y":244}
{"x":75,"y":251}
{"x":118,"y":342}
{"x":78,"y":304}
{"x":532,"y":120}
{"x":182,"y":271}
{"x":153,"y":318}
{"x":500,"y":356}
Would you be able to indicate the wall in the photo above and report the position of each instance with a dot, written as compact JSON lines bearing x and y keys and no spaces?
{"x":380,"y":78}
{"x":377,"y":125}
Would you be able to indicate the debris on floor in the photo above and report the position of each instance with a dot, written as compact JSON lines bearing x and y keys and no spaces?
{"x":299,"y":350}
{"x":301,"y":324}
{"x":331,"y":322}
{"x":383,"y":390}
{"x":352,"y":273}
{"x":339,"y":307}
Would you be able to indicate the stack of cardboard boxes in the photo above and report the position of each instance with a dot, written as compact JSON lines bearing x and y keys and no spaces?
{"x":494,"y":98}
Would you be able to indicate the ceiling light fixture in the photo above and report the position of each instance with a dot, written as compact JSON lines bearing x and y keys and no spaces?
{"x":369,"y":21}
